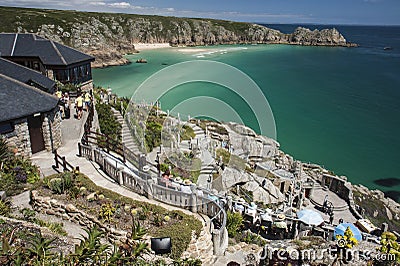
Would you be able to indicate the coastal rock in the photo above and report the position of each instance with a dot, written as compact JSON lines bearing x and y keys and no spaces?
{"x":266,"y":194}
{"x":231,"y":177}
{"x":247,"y":144}
{"x":109,"y":36}
{"x":304,"y":36}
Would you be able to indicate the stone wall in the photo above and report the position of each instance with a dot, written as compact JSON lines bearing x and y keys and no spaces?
{"x":343,"y":189}
{"x":52,"y":130}
{"x":201,"y":247}
{"x":71,"y":213}
{"x":19,"y":139}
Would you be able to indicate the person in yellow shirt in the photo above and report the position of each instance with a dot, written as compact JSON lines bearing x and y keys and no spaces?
{"x":79,"y":105}
{"x":59,"y":94}
{"x":87,"y":100}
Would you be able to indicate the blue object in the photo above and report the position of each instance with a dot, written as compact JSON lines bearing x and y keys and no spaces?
{"x":310,"y":217}
{"x":341,"y":228}
{"x":213,"y":198}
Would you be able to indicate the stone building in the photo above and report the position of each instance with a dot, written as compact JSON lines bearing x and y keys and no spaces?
{"x":52,"y":59}
{"x":29,"y":117}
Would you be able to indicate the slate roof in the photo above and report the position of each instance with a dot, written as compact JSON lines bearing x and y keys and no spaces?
{"x":31,"y":45}
{"x":18,"y":100}
{"x":26,"y":75}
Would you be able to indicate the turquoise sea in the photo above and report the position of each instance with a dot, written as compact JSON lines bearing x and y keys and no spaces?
{"x":338,"y":107}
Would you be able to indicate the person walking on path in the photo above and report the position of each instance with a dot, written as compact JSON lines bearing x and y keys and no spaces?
{"x":59,"y":94}
{"x":67,"y":106}
{"x":87,"y":100}
{"x":79,"y":106}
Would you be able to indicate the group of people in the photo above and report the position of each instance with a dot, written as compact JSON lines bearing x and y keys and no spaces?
{"x":65,"y":104}
{"x":83,"y":101}
{"x":177,"y":183}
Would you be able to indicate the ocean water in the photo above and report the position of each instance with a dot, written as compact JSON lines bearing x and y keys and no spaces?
{"x":334,"y":106}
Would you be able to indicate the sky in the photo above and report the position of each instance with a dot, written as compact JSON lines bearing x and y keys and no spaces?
{"x":361,"y":12}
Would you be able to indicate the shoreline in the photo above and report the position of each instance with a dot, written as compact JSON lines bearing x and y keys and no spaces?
{"x":151,"y":46}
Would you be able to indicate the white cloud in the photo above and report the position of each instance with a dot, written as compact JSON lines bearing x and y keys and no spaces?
{"x":127,"y":7}
{"x":120,"y":5}
{"x":97,"y":3}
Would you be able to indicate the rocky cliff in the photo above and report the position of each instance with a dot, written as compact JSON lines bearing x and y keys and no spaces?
{"x":109,"y":36}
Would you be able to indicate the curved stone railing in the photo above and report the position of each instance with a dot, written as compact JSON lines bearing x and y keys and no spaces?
{"x":341,"y":187}
{"x":143,"y":184}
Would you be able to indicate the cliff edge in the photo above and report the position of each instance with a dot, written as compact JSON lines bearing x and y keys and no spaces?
{"x":108,"y":36}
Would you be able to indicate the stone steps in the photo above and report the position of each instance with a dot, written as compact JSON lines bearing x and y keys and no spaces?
{"x":127,"y":138}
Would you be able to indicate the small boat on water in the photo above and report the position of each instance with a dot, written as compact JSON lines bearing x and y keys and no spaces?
{"x":388,"y":48}
{"x":141,"y":60}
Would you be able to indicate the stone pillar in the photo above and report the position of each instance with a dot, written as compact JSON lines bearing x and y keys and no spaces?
{"x":92,"y":154}
{"x":384,"y":227}
{"x":193,"y":202}
{"x":103,"y":156}
{"x":229,"y":203}
{"x":216,"y":238}
{"x":120,"y":176}
{"x":149,"y":188}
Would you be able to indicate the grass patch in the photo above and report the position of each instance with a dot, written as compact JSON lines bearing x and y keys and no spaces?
{"x":231,"y":160}
{"x":187,"y":133}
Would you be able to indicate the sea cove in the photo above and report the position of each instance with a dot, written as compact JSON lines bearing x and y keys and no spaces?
{"x":338,"y":107}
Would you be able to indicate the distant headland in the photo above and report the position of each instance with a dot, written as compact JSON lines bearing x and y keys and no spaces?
{"x":109,"y":36}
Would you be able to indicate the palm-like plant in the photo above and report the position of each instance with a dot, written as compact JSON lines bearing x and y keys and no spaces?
{"x":134,"y":245}
{"x":40,"y":250}
{"x":90,"y":250}
{"x":10,"y":254}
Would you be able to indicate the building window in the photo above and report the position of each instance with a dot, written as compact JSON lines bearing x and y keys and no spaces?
{"x":6,"y":128}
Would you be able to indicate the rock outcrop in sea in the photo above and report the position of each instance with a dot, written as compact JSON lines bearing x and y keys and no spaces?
{"x":109,"y":36}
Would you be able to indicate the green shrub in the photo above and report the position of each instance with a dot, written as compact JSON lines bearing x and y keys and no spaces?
{"x":164,"y":167}
{"x":234,"y":222}
{"x":29,"y":214}
{"x":109,"y":125}
{"x":187,"y":133}
{"x":16,"y":173}
{"x":390,"y":246}
{"x":153,"y":135}
{"x":5,"y":208}
{"x":57,"y":228}
{"x":5,"y":152}
{"x":56,"y":185}
{"x":250,"y":238}
{"x":60,"y":183}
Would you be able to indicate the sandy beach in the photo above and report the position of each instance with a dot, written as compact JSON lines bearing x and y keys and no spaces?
{"x":150,"y":46}
{"x":193,"y":50}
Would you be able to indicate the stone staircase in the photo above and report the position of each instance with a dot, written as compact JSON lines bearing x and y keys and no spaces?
{"x":207,"y":167}
{"x":127,"y":138}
